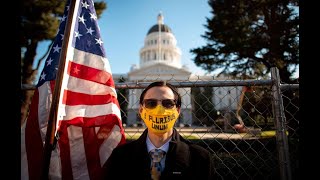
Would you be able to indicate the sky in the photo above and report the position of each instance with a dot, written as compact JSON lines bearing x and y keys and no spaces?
{"x":125,"y":23}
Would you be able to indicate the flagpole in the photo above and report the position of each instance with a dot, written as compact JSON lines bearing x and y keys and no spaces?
{"x":53,"y":114}
{"x":159,"y":37}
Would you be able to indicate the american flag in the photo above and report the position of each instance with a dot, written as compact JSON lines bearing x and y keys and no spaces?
{"x":89,"y":120}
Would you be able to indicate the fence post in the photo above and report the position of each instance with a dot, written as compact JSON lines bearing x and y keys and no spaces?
{"x":280,"y":124}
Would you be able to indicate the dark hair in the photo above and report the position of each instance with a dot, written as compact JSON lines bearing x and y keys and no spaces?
{"x":177,"y":96}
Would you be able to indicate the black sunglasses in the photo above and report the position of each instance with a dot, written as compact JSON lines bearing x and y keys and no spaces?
{"x":152,"y":103}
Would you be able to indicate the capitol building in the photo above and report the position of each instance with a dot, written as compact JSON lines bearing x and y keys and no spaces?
{"x":160,"y":59}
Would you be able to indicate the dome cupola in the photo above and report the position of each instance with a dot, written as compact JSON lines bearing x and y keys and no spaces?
{"x":160,"y":46}
{"x":163,"y":27}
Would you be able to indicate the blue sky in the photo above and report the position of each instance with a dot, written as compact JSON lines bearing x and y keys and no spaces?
{"x":125,"y":23}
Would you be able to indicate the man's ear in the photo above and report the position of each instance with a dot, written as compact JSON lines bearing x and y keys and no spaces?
{"x":140,"y":109}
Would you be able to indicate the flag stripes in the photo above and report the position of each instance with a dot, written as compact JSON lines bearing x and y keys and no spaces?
{"x":74,"y":98}
{"x":88,"y":123}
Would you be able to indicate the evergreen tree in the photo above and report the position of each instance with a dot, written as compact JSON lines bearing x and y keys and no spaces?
{"x":203,"y":108}
{"x":245,"y":38}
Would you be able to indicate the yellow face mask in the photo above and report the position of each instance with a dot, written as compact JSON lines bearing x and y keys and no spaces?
{"x":159,"y":120}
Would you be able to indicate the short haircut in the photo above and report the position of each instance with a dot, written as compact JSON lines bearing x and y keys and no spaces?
{"x":177,"y":96}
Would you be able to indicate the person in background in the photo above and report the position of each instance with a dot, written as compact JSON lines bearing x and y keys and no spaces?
{"x":160,"y":152}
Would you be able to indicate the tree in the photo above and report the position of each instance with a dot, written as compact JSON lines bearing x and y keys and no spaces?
{"x":39,"y":21}
{"x":203,"y":108}
{"x":256,"y":107}
{"x":248,"y":37}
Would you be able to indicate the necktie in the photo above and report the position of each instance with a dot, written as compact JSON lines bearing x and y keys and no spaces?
{"x":156,"y":156}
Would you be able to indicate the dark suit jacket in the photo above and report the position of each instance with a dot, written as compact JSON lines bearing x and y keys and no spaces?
{"x":183,"y":161}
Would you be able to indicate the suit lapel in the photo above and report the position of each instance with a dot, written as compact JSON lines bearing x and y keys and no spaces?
{"x":141,"y":156}
{"x":177,"y":158}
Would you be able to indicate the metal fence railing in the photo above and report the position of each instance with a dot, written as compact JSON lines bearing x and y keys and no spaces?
{"x":268,"y":146}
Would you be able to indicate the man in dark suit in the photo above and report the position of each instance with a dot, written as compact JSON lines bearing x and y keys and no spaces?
{"x":159,"y":108}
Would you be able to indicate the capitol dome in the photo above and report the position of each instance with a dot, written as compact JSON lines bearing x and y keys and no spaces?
{"x":160,"y":46}
{"x":155,"y":28}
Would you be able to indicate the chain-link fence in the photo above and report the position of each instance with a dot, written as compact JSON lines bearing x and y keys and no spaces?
{"x":251,"y":127}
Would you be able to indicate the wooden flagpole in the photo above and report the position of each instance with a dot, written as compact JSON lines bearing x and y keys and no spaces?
{"x":52,"y":121}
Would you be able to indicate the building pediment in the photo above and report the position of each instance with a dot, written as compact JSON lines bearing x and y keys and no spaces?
{"x":159,"y":69}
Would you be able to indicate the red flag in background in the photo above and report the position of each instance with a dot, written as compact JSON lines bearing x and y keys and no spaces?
{"x":89,"y":120}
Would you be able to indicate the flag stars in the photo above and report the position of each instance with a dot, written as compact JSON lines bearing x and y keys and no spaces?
{"x":99,"y":41}
{"x":56,"y":49}
{"x":77,"y":34}
{"x":81,"y":19}
{"x":85,"y":5}
{"x":93,"y":16}
{"x":62,"y":36}
{"x":90,"y":31}
{"x":63,"y":18}
{"x":76,"y":70}
{"x":49,"y":62}
{"x":43,"y":76}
